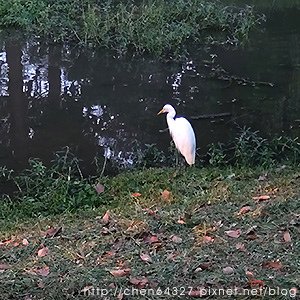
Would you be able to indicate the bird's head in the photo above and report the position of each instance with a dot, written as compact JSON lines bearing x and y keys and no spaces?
{"x":166,"y":109}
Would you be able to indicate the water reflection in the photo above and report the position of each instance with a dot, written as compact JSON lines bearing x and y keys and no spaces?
{"x":99,"y":105}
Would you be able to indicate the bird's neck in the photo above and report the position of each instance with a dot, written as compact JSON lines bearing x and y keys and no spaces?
{"x":171,"y":115}
{"x":171,"y":120}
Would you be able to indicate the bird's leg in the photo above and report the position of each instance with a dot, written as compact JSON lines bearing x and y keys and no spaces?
{"x":176,"y":158}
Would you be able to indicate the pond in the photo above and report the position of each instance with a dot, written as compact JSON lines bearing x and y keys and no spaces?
{"x":101,"y":106}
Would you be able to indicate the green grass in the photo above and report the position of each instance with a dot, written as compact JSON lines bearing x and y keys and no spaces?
{"x":157,"y":27}
{"x":208,"y":200}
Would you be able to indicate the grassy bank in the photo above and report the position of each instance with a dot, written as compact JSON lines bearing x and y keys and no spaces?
{"x":159,"y":27}
{"x":166,"y":228}
{"x":231,"y":224}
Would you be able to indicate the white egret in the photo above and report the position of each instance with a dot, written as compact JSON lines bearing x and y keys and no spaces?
{"x":182,"y":134}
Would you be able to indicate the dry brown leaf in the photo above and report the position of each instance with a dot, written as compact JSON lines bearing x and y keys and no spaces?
{"x":233,"y":233}
{"x":151,"y":239}
{"x":208,"y":239}
{"x":136,"y":194}
{"x":251,"y":233}
{"x":176,"y":239}
{"x":203,"y":266}
{"x":287,"y":237}
{"x":5,"y":243}
{"x":140,"y":282}
{"x":120,"y":272}
{"x":99,"y":188}
{"x":41,"y":284}
{"x":25,"y":242}
{"x":249,"y":274}
{"x":199,"y":293}
{"x":4,"y":267}
{"x":166,"y":195}
{"x":106,"y":218}
{"x":276,"y":265}
{"x":45,"y":271}
{"x":181,"y":221}
{"x":52,"y":232}
{"x":261,"y":198}
{"x":244,"y":210}
{"x":228,"y":270}
{"x":43,"y":252}
{"x":256,"y":282}
{"x":240,"y":247}
{"x":150,"y":211}
{"x":146,"y":257}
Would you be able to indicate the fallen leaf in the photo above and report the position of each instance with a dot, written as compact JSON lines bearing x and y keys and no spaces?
{"x":251,"y":233}
{"x":106,"y":218}
{"x":233,"y":233}
{"x":244,"y":210}
{"x":276,"y":265}
{"x":25,"y":242}
{"x":199,"y":293}
{"x":287,"y":237}
{"x":151,"y":239}
{"x":172,"y":256}
{"x":120,"y":296}
{"x":136,"y":194}
{"x":41,"y":284}
{"x":139,"y":282}
{"x":5,"y":243}
{"x":52,"y":232}
{"x":44,"y":271}
{"x":105,"y":231}
{"x":249,"y":274}
{"x":43,"y":252}
{"x":261,"y":198}
{"x":150,"y":211}
{"x":4,"y":267}
{"x":203,"y":266}
{"x":176,"y":239}
{"x":166,"y":195}
{"x":181,"y":221}
{"x":208,"y":239}
{"x":99,"y":188}
{"x":228,"y":270}
{"x":146,"y":257}
{"x":256,"y":282}
{"x":120,"y":272}
{"x":262,"y":177}
{"x":240,"y":247}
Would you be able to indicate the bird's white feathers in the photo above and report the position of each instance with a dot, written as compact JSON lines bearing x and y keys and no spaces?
{"x":182,"y":134}
{"x":184,"y":138}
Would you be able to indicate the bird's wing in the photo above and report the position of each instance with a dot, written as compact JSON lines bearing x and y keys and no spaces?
{"x":184,"y":138}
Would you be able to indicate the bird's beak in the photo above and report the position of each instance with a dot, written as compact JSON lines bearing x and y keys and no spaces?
{"x":160,"y":112}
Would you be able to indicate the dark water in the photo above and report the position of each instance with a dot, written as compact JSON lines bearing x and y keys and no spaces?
{"x":100,"y":105}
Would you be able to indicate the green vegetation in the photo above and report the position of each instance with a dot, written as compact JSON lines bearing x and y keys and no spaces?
{"x":159,"y":27}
